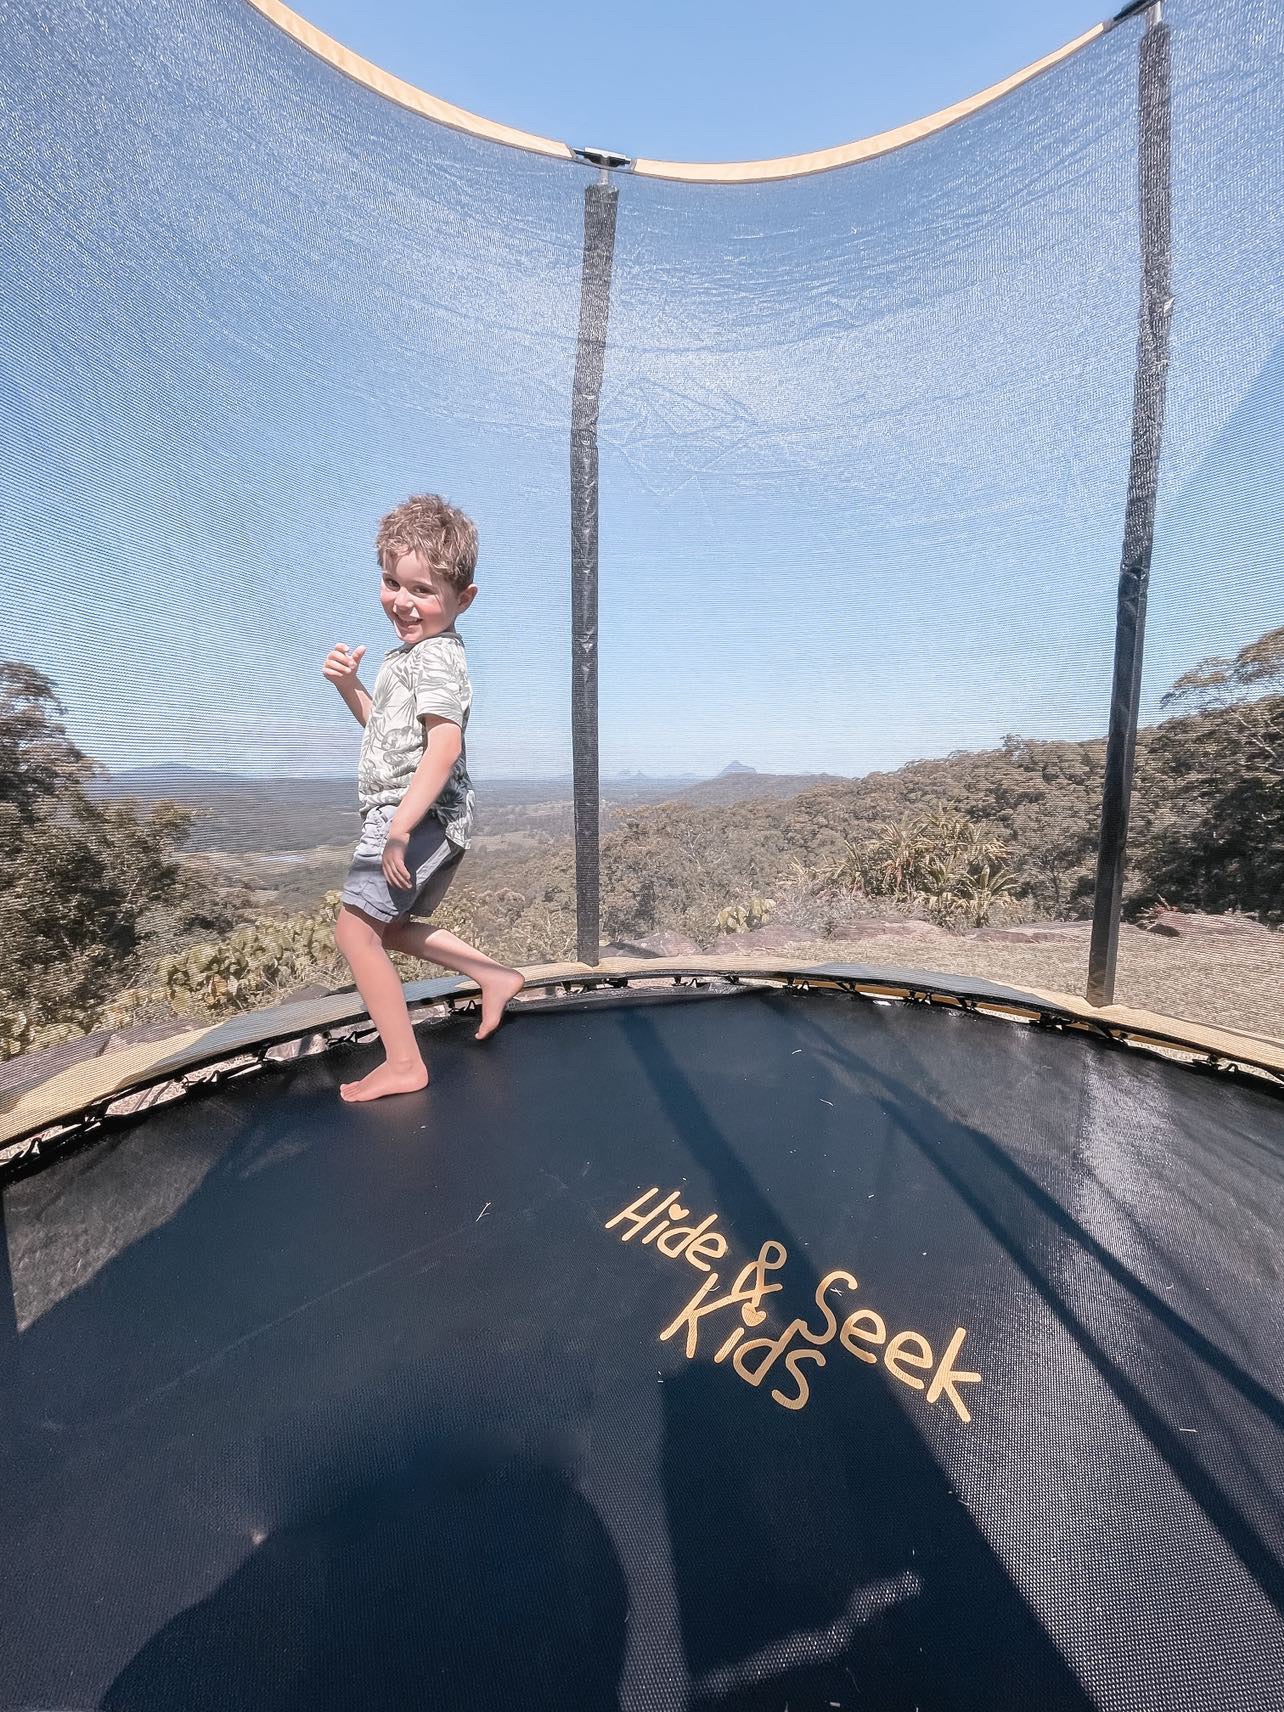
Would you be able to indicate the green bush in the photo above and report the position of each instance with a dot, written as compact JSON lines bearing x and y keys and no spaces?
{"x":938,"y":863}
{"x":261,"y":962}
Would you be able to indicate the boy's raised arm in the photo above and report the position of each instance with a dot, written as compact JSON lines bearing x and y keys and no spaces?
{"x":341,"y":669}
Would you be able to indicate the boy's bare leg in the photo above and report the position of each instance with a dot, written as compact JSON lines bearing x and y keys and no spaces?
{"x":361,"y":940}
{"x":497,"y":981}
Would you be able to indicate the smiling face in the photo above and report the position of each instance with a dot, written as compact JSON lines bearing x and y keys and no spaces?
{"x":419,"y":600}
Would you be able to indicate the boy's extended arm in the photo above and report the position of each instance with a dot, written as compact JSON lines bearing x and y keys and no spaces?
{"x":357,"y":699}
{"x":443,"y":745}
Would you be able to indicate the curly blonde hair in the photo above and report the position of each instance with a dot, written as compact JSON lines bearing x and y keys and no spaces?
{"x":442,"y":533}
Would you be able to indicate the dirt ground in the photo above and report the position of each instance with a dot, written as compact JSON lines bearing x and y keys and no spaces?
{"x":1228,"y":983}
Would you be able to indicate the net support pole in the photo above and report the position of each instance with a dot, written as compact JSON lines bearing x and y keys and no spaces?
{"x":600,"y":201}
{"x":8,"y":1301}
{"x":1154,"y":188}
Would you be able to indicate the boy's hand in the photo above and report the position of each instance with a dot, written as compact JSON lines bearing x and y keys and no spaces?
{"x":395,"y":870}
{"x":341,"y":665}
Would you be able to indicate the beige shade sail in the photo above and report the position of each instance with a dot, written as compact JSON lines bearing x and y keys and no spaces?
{"x":692,"y":172}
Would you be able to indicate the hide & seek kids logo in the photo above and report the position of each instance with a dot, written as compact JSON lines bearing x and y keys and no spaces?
{"x":785,"y":1355}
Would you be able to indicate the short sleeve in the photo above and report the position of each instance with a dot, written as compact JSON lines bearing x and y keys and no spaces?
{"x":439,"y":682}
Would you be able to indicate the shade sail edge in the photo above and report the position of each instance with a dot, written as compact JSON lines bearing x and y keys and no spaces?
{"x":397,"y":90}
{"x":441,"y":112}
{"x":862,"y":148}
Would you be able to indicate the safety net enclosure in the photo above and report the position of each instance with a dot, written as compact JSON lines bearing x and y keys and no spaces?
{"x":854,"y":1280}
{"x":852,"y":444}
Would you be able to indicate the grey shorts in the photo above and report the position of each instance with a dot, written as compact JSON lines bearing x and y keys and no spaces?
{"x":430,"y":857}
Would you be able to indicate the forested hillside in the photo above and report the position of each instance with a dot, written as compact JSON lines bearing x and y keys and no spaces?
{"x":104,"y":916}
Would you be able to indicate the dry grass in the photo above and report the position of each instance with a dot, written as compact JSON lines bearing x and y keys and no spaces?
{"x":1227,"y":983}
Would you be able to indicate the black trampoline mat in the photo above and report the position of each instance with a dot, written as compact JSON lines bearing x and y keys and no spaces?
{"x":312,"y":1406}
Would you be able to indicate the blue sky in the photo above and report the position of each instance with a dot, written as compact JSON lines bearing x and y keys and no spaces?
{"x":716,"y":80}
{"x":864,"y":435}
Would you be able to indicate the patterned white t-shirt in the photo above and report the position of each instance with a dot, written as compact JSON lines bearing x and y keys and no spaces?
{"x":429,"y":677}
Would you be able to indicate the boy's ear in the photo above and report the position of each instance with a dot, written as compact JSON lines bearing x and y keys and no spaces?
{"x":468,"y":597}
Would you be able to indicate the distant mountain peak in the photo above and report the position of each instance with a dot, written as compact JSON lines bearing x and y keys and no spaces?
{"x":736,"y":767}
{"x":163,"y":769}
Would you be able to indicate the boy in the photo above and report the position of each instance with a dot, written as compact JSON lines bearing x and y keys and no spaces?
{"x":412,"y":784}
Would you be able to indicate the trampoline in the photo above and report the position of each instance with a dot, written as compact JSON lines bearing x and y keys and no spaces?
{"x":725,"y":1332}
{"x":701,"y":1340}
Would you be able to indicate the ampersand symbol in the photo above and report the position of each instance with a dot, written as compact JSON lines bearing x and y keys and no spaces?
{"x":771,"y":1257}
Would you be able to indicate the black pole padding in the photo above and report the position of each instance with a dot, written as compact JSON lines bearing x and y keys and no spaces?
{"x":8,"y":1300}
{"x":600,"y":201}
{"x":1154,"y":184}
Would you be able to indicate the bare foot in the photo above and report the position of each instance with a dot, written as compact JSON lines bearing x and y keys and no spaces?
{"x":496,"y":991}
{"x":387,"y":1079}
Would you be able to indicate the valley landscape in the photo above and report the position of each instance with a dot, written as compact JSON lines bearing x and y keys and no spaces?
{"x":157,"y":896}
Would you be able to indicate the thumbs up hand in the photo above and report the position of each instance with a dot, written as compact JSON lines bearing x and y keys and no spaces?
{"x":341,"y":665}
